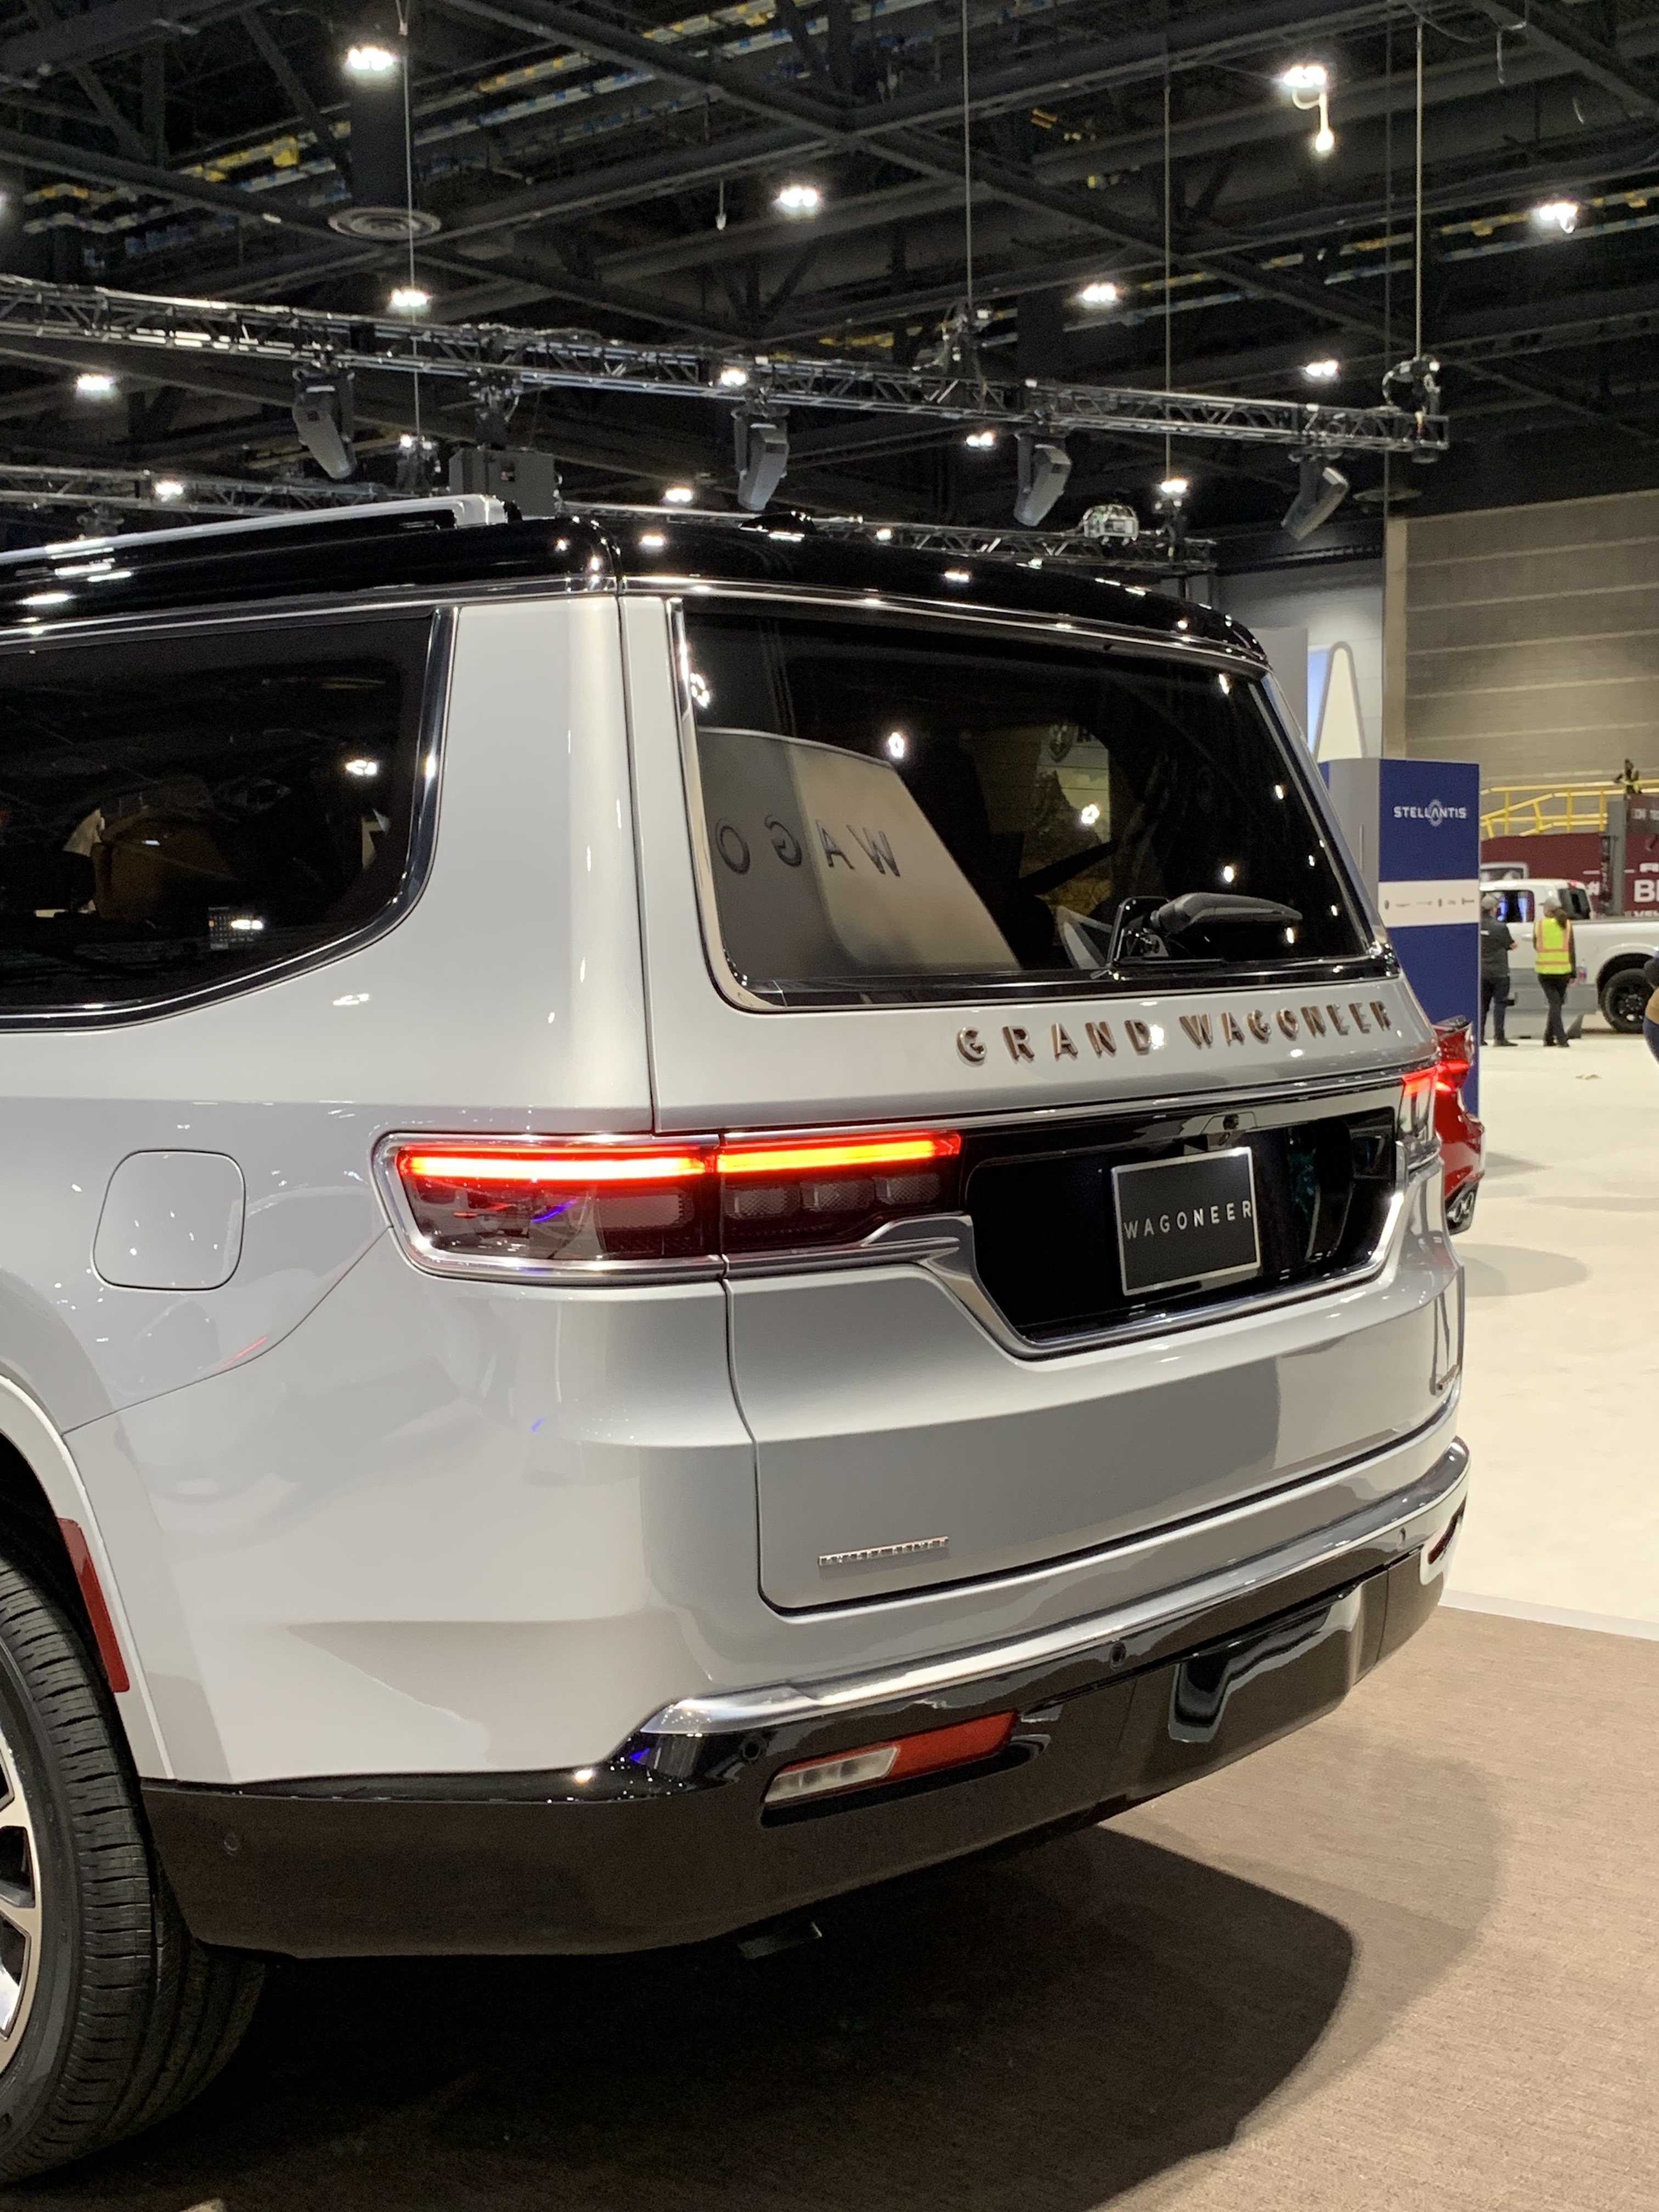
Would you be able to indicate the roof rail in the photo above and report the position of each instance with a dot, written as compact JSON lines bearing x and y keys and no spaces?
{"x":461,"y":511}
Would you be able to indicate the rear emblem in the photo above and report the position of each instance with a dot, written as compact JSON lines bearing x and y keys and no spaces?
{"x":877,"y":1554}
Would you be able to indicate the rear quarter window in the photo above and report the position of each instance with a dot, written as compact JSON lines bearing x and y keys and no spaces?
{"x":182,"y":812}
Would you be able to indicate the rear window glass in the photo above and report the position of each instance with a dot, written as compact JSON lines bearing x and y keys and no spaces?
{"x":193,"y":809}
{"x":910,"y":811}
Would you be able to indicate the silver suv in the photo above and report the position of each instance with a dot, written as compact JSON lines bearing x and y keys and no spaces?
{"x":692,"y":1215}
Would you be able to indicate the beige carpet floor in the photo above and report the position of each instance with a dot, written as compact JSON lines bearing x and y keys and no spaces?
{"x":1409,"y":1959}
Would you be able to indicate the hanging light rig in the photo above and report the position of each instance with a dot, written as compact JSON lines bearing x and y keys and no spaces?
{"x":1309,"y":85}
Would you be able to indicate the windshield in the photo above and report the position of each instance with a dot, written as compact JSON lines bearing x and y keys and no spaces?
{"x":898,"y":811}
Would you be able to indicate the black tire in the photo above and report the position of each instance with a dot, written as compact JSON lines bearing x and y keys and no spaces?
{"x":122,"y":2016}
{"x":1624,"y":996}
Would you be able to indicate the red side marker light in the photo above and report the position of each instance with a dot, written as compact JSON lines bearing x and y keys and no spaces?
{"x":92,"y":1596}
{"x":899,"y":1759}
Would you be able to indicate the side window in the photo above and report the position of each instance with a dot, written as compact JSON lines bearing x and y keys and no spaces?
{"x":200,"y":807}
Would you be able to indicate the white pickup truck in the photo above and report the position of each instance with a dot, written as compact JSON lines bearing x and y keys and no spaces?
{"x":1612,"y":949}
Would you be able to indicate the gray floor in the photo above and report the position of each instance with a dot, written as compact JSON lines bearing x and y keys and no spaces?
{"x":1409,"y":1958}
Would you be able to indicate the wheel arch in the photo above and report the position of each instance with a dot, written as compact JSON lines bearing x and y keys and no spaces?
{"x":45,"y":1511}
{"x":1616,"y":963}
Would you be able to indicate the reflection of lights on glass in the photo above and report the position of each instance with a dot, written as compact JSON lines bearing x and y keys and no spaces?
{"x":958,"y":575}
{"x":362,"y":767}
{"x":1088,"y":815}
{"x":246,"y":925}
{"x":581,"y":1774}
{"x":702,"y":697}
{"x":897,"y":745}
{"x":1278,"y":791}
{"x":1226,"y":684}
{"x":1228,"y":873}
{"x":1289,"y":937}
{"x":47,"y":599}
{"x":652,"y":541}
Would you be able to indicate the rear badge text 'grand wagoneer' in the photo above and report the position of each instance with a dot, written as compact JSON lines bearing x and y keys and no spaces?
{"x":1204,"y":1032}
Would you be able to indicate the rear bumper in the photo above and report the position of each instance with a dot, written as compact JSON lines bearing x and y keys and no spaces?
{"x":667,"y":1841}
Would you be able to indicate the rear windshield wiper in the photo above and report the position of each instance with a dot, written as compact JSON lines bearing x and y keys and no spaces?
{"x":1147,"y":927}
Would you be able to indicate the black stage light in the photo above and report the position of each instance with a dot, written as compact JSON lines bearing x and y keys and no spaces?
{"x":325,"y":418}
{"x":1322,"y":491}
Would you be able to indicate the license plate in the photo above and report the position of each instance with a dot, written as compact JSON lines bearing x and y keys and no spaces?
{"x":1187,"y":1221}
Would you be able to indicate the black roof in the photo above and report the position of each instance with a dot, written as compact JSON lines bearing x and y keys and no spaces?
{"x":427,"y":546}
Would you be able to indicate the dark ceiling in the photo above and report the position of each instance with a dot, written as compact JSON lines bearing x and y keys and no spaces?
{"x":613,"y":165}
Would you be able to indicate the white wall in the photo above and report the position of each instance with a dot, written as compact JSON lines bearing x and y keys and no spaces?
{"x":1342,"y":605}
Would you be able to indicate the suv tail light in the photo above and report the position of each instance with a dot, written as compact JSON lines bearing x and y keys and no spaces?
{"x":1417,"y":1132}
{"x":535,"y":1209}
{"x":1457,"y":1047}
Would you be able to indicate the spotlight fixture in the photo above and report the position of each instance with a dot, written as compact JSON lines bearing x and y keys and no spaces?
{"x":763,"y":456}
{"x":1558,"y":215}
{"x":883,"y":536}
{"x":734,"y":378}
{"x":679,"y":495}
{"x":166,"y":488}
{"x":324,"y":418}
{"x":370,"y":61}
{"x":896,"y":745}
{"x":1100,"y":293}
{"x":1174,"y":490}
{"x":798,"y":199}
{"x":1321,"y":491}
{"x":982,"y":441}
{"x":1322,"y":372}
{"x":408,"y":300}
{"x":1309,"y":85}
{"x":96,"y":384}
{"x":1045,"y":466}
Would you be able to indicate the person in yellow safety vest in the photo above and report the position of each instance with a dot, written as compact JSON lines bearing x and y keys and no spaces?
{"x":1558,"y":963}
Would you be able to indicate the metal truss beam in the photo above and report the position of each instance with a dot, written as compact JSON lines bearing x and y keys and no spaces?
{"x":197,"y":332}
{"x":1551,"y":28}
{"x":133,"y":491}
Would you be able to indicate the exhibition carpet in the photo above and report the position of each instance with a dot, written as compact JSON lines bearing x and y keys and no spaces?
{"x":1408,"y":1958}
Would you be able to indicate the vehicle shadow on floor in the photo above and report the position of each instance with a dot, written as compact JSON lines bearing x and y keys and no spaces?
{"x":1042,"y":2031}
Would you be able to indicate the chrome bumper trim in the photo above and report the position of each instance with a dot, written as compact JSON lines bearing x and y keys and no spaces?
{"x":1409,"y":1520}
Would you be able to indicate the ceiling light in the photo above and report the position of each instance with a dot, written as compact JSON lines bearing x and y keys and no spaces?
{"x":1175,"y":488}
{"x":408,"y":300}
{"x":652,"y":541}
{"x":958,"y":575}
{"x":732,"y":379}
{"x":798,"y":199}
{"x":982,"y":441}
{"x":1324,"y":139}
{"x":1558,"y":215}
{"x":897,"y":745}
{"x":166,"y":488}
{"x":96,"y":384}
{"x":1088,"y":815}
{"x":1305,"y":81}
{"x":883,"y":536}
{"x":1322,"y":372}
{"x":1100,"y":293}
{"x":679,"y":495}
{"x":370,"y":61}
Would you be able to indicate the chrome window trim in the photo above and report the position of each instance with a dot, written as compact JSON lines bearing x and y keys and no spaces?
{"x":1409,"y":1520}
{"x":1061,"y":989}
{"x":422,"y":829}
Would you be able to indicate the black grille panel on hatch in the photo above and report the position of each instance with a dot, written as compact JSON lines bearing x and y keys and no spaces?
{"x":1045,"y":1228}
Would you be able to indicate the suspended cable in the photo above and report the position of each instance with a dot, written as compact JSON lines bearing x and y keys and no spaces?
{"x":1169,"y":302}
{"x":966,"y":173}
{"x":409,"y":209}
{"x":1416,"y":243}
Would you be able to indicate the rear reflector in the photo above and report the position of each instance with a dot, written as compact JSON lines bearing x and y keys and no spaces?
{"x":899,"y":1760}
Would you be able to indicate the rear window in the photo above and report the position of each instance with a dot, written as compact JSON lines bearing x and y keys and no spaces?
{"x":196,"y":809}
{"x":917,"y":812}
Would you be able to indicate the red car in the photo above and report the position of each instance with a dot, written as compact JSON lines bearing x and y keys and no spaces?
{"x":1462,"y":1137}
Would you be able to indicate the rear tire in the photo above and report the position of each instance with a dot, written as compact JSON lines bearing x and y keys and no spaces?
{"x":111,"y":2014}
{"x":1624,"y":996}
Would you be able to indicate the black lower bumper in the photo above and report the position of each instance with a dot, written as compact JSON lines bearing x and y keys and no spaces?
{"x":670,"y":1843}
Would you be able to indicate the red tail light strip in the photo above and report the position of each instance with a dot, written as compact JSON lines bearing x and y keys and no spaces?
{"x":910,"y":1150}
{"x":580,"y":1167}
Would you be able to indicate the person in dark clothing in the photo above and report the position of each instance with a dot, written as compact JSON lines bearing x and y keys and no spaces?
{"x":1496,"y":945}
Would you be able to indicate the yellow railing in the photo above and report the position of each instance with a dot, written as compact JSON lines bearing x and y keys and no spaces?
{"x":1531,"y":810}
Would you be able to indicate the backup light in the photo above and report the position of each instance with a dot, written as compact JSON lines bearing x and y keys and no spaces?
{"x":901,"y":1758}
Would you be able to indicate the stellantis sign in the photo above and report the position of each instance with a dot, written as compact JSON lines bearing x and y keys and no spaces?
{"x":1434,"y":813}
